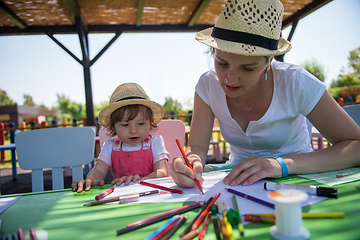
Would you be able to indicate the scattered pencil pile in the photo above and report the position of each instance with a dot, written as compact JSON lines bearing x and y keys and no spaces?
{"x":20,"y":235}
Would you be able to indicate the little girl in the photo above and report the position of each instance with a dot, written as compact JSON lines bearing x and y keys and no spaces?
{"x":134,"y":154}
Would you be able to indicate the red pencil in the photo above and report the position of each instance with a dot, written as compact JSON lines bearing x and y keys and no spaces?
{"x":204,"y":213}
{"x":189,"y":165}
{"x":33,"y":234}
{"x":206,"y":224}
{"x":161,"y":187}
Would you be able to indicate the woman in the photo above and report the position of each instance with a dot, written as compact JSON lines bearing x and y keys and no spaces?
{"x":262,"y":104}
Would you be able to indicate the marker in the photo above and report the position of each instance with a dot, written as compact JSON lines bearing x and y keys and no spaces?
{"x":161,"y":187}
{"x":123,"y":199}
{"x":104,"y":193}
{"x":314,"y":190}
{"x":188,"y":164}
{"x":254,"y":199}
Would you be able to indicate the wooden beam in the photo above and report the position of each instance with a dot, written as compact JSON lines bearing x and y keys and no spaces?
{"x":141,"y":4}
{"x":12,"y":16}
{"x":73,"y":7}
{"x":198,"y":12}
{"x":71,"y":29}
{"x":311,"y":7}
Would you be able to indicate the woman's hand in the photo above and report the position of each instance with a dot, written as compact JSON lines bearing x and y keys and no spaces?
{"x":253,"y":169}
{"x":79,"y":185}
{"x":126,"y":180}
{"x":183,"y":175}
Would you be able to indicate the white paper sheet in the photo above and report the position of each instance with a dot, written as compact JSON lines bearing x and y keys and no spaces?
{"x":212,"y":185}
{"x":335,"y":177}
{"x":7,"y":202}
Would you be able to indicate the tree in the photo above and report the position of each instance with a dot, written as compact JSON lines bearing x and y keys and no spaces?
{"x":315,"y":69}
{"x":171,"y":105}
{"x":354,"y":62}
{"x":70,"y":108}
{"x":28,"y":100}
{"x":345,"y":80}
{"x":5,"y":100}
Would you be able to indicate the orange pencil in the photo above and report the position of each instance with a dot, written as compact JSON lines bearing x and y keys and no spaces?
{"x":204,"y":213}
{"x":223,"y":228}
{"x":188,"y":164}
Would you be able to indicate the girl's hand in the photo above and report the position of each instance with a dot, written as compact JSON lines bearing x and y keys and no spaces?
{"x":126,"y":180}
{"x":253,"y":169}
{"x":79,"y":185}
{"x":182,"y":175}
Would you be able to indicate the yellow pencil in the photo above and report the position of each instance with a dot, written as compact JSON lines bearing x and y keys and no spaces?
{"x":229,"y":229}
{"x":307,"y":215}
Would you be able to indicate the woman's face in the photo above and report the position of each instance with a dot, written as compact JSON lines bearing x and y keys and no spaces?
{"x":239,"y":74}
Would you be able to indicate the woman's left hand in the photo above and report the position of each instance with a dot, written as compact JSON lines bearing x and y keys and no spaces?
{"x":253,"y":169}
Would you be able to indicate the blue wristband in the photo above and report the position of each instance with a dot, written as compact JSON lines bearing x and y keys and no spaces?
{"x":284,"y":168}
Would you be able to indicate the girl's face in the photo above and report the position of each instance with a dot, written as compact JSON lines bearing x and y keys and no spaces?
{"x":134,"y":131}
{"x":239,"y":74}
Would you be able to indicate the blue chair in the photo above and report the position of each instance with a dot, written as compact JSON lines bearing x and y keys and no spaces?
{"x":354,"y":112}
{"x":55,"y":148}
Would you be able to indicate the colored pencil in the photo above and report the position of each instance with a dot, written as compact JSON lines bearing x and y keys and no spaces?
{"x":254,"y":199}
{"x":198,"y":221}
{"x":188,"y":164}
{"x":159,"y":217}
{"x":167,"y":229}
{"x":171,"y":232}
{"x":188,"y":227}
{"x":104,"y":193}
{"x":123,"y":199}
{"x":162,"y":227}
{"x":223,"y":228}
{"x":161,"y":187}
{"x":229,"y":229}
{"x":205,"y":225}
{"x":190,"y":235}
{"x":216,"y":227}
{"x":240,"y":225}
{"x":21,"y":234}
{"x":304,"y":215}
{"x":33,"y":234}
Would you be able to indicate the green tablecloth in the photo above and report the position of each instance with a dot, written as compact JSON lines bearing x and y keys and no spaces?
{"x":63,"y":216}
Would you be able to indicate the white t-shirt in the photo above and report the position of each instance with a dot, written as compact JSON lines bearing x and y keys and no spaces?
{"x":156,"y":142}
{"x":282,"y":130}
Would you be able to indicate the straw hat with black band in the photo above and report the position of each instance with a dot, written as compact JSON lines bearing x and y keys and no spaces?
{"x":129,"y":94}
{"x":248,"y":28}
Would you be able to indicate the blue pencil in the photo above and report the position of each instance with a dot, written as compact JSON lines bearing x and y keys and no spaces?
{"x":174,"y":218}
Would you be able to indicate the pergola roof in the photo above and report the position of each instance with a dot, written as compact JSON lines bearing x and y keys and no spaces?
{"x":59,"y":16}
{"x":26,"y":17}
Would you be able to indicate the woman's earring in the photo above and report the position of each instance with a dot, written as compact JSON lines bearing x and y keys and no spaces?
{"x":268,"y":68}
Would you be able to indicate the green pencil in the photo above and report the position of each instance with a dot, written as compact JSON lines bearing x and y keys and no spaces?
{"x":240,"y":225}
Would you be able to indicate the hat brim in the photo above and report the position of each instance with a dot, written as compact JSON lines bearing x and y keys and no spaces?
{"x":106,"y":112}
{"x":205,"y":37}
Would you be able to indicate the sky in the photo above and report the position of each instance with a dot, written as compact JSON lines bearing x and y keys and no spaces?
{"x":164,"y":64}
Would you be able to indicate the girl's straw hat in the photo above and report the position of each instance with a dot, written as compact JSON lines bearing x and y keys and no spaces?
{"x":249,"y":28}
{"x":129,"y":94}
